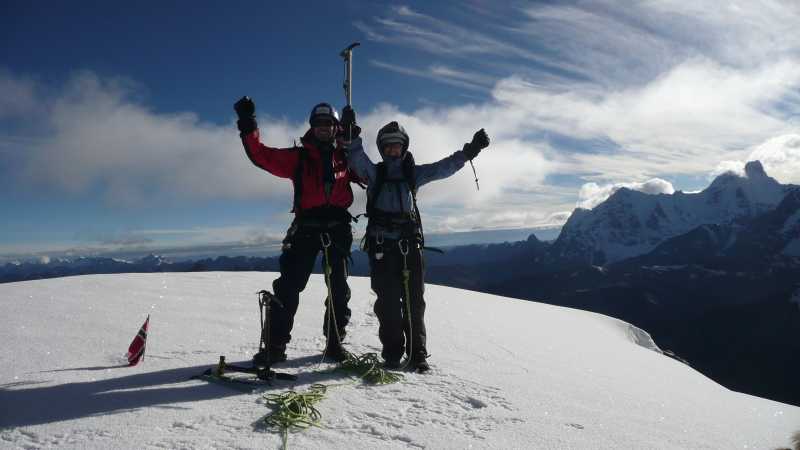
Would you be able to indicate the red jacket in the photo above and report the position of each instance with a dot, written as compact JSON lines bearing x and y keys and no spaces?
{"x":282,"y":162}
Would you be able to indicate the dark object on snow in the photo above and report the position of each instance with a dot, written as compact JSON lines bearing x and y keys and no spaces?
{"x":139,"y":345}
{"x":263,"y":376}
{"x":418,"y":362}
{"x":334,"y":350}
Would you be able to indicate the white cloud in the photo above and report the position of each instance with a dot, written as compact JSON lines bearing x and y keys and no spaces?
{"x":685,"y":121}
{"x":735,"y":167}
{"x":94,"y":136}
{"x":440,"y":74}
{"x":780,"y":157}
{"x":592,"y":194}
{"x":676,"y":86}
{"x":406,"y":27}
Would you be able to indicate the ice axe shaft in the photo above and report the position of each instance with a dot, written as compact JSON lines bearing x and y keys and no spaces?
{"x":347,"y":55}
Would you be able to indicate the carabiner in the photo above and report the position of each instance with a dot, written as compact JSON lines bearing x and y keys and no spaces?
{"x":379,"y":246}
{"x":325,"y":238}
{"x":400,"y":244}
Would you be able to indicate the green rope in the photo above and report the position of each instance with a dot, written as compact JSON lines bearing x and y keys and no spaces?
{"x":329,"y":301}
{"x":294,"y":410}
{"x":407,"y":302}
{"x":368,"y":368}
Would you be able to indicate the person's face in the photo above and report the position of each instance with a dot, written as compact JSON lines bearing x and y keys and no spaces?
{"x":393,"y":150}
{"x":323,"y":130}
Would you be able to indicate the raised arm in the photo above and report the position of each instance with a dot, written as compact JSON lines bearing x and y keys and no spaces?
{"x":453,"y":163}
{"x":280,"y":162}
{"x":359,"y":162}
{"x":440,"y":169}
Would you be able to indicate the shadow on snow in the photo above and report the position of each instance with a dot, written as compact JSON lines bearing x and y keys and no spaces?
{"x":27,"y":403}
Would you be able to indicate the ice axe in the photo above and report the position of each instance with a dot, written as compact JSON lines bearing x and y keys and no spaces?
{"x":347,"y":55}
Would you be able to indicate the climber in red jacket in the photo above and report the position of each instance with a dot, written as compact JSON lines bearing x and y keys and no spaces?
{"x":321,"y":178}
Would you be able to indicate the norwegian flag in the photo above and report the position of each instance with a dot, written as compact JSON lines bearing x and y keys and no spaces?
{"x":137,"y":347}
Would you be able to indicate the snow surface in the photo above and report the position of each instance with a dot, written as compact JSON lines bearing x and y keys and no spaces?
{"x":506,"y":374}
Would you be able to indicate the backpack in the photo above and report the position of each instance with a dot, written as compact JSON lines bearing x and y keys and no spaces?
{"x":409,"y":177}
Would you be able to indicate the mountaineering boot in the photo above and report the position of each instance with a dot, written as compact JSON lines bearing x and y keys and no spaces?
{"x":418,"y":362}
{"x":391,"y":364}
{"x":265,"y":358}
{"x":335,"y":351}
{"x":391,"y":359}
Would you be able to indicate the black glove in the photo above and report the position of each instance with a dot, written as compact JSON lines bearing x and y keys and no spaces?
{"x":246,"y":110}
{"x":349,"y":123}
{"x":479,"y":142}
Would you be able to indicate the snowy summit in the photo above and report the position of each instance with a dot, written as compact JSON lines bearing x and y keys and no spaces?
{"x":506,"y":374}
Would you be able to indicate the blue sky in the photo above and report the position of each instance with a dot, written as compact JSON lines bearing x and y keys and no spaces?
{"x":117,"y":130}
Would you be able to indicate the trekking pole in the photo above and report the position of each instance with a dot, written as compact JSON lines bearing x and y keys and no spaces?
{"x":347,"y":55}
{"x":476,"y":175}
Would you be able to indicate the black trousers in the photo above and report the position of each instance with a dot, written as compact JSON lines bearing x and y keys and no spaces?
{"x":301,"y":247}
{"x":399,"y":332}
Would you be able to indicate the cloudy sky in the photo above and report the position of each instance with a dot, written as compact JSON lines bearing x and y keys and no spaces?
{"x":117,"y":128}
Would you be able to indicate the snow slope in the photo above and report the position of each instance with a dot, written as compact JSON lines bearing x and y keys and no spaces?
{"x":507,"y":374}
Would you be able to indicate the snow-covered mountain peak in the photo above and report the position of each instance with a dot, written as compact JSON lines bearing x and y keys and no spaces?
{"x":631,"y":223}
{"x":754,"y":169}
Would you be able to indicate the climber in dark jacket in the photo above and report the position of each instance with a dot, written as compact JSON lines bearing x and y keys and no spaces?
{"x":394,"y":238}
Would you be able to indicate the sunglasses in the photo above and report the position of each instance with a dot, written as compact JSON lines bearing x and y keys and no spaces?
{"x":321,"y":123}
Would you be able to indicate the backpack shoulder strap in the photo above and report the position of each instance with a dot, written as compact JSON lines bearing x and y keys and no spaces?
{"x":409,"y":173}
{"x":380,"y":177}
